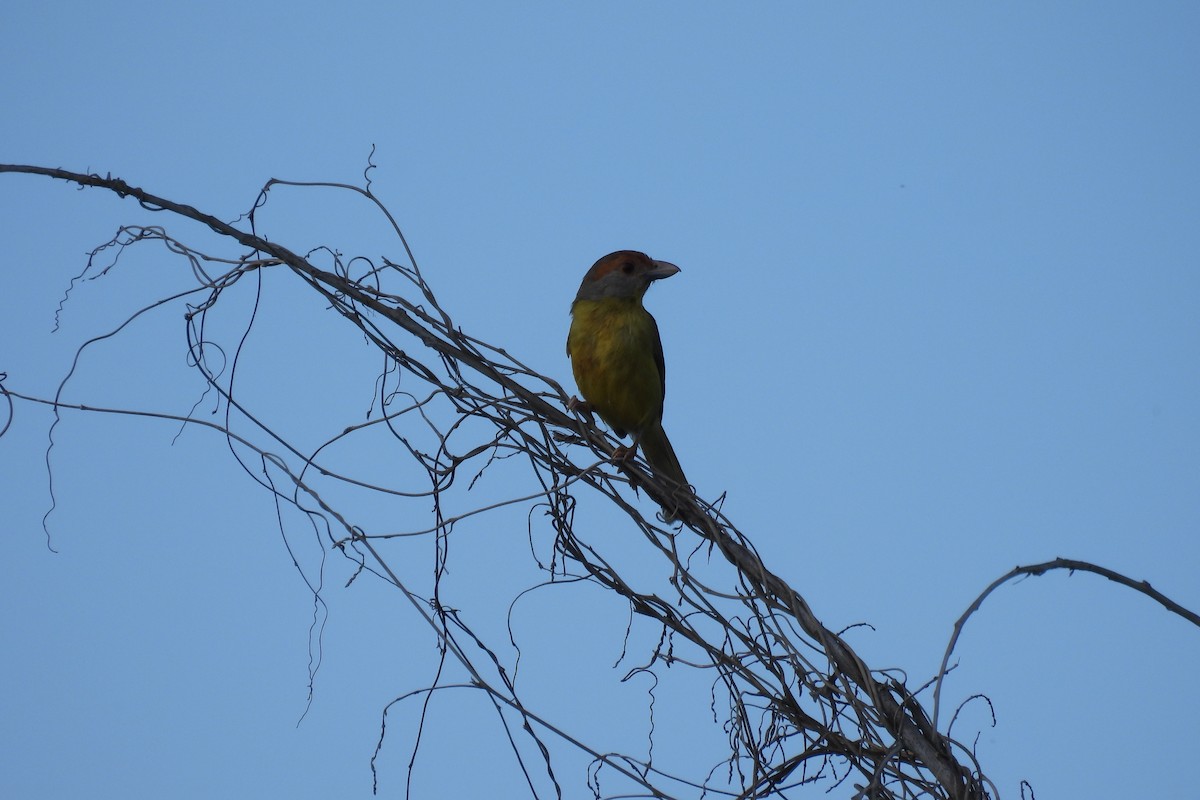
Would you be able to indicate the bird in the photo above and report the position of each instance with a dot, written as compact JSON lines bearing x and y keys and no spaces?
{"x":617,"y":357}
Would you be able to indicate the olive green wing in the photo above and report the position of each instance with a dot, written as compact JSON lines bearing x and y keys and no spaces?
{"x":658,"y":358}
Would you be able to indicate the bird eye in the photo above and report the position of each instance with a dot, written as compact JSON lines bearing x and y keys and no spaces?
{"x":627,"y":268}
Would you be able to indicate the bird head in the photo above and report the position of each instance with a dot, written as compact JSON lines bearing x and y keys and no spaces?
{"x":625,"y":273}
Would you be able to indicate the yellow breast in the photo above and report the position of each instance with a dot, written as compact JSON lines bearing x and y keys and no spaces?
{"x":612,"y":345}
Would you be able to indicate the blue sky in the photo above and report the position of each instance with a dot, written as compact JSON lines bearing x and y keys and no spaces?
{"x":938,"y":315}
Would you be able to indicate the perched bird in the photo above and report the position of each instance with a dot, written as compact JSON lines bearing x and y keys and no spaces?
{"x":617,"y":356}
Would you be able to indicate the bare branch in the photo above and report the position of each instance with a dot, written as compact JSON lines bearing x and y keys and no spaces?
{"x":1071,"y":565}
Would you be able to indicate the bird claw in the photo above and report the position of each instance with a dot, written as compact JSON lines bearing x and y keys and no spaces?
{"x":582,"y":407}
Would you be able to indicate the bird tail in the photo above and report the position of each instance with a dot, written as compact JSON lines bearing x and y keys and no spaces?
{"x":660,"y":455}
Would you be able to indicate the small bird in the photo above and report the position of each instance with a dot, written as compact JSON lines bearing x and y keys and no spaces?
{"x":617,"y":357}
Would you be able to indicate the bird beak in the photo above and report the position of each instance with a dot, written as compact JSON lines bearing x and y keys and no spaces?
{"x":662,"y":269}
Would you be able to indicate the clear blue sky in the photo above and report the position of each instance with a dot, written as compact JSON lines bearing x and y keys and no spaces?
{"x":939,"y":315}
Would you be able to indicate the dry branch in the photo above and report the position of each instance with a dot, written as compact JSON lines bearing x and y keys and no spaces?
{"x":803,"y":707}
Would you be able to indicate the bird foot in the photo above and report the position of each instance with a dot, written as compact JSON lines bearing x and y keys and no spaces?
{"x":575,"y":404}
{"x":623,"y":455}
